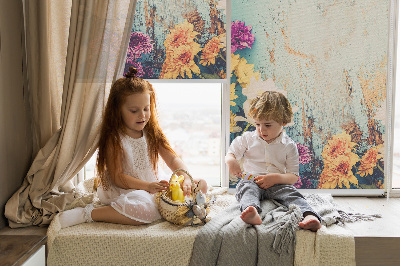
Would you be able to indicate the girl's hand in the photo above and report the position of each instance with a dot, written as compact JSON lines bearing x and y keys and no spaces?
{"x":187,"y":186}
{"x":266,"y":181}
{"x":155,"y":187}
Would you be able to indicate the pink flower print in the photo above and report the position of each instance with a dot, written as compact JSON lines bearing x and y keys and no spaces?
{"x":139,"y":43}
{"x":304,"y":154}
{"x":298,"y":184}
{"x":241,"y":36}
{"x":303,"y":183}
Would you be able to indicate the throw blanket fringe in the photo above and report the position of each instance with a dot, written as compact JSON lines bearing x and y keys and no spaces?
{"x":349,"y":217}
{"x":332,"y":213}
{"x":287,"y":227}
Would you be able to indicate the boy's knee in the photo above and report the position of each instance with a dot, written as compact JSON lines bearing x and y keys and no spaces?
{"x":247,"y":187}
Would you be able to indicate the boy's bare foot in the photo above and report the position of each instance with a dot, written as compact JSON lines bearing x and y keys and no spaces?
{"x":310,"y":222}
{"x":250,"y":216}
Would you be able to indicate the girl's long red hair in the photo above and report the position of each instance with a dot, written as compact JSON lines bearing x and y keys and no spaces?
{"x":112,"y":127}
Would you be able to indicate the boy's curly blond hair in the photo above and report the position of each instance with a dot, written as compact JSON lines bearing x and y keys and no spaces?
{"x":271,"y":105}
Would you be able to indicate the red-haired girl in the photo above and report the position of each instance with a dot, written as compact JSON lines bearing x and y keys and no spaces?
{"x":131,"y":142}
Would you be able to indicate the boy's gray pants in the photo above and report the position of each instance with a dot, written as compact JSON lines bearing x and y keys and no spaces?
{"x":248,"y":193}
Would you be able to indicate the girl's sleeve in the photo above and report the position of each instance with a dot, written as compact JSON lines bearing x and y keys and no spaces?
{"x":238,"y":147}
{"x":292,"y":159}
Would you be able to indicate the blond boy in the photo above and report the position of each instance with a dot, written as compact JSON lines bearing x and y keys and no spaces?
{"x":272,"y":159}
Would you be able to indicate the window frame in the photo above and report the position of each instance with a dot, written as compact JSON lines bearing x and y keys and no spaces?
{"x":391,"y":96}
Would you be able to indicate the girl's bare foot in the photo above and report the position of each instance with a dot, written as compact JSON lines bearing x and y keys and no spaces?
{"x":250,"y":216}
{"x":310,"y":222}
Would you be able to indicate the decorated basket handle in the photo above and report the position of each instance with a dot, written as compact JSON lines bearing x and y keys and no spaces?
{"x":191,"y":178}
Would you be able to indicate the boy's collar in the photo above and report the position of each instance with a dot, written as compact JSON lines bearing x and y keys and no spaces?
{"x":279,"y":139}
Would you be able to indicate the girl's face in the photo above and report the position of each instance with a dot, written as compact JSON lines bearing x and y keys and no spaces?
{"x":268,"y":130}
{"x":136,"y":113}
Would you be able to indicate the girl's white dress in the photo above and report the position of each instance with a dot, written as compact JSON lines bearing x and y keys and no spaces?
{"x":138,"y":205}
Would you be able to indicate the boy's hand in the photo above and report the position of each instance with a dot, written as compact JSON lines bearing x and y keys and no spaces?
{"x":154,"y":187}
{"x":266,"y":181}
{"x":235,"y":170}
{"x":233,"y":165}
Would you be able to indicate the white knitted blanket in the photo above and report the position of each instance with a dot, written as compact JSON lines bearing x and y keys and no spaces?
{"x":159,"y":243}
{"x":330,"y":246}
{"x":162,"y":243}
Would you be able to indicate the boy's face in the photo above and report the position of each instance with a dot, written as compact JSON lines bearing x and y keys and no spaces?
{"x":268,"y":130}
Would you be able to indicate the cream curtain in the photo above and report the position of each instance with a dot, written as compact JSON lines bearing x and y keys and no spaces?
{"x":97,"y":42}
{"x":46,"y":38}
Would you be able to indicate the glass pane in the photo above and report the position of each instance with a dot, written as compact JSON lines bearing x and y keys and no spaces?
{"x":190,"y":116}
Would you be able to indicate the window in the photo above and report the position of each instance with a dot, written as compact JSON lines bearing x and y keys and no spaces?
{"x":90,"y":167}
{"x":190,"y":116}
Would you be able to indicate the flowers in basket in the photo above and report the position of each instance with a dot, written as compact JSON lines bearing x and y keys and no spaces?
{"x":191,"y":210}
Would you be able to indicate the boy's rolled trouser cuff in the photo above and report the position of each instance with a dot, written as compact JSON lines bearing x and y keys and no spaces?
{"x":311,"y":212}
{"x":248,"y":194}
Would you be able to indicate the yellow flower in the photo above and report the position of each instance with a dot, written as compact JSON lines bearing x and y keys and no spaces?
{"x":210,"y":51}
{"x":369,"y":161}
{"x":338,"y":162}
{"x":182,"y":35}
{"x":180,"y":49}
{"x":244,"y":72}
{"x":221,"y":73}
{"x":180,"y":62}
{"x":233,"y":95}
{"x":339,"y":173}
{"x":339,"y":145}
{"x":233,"y":126}
{"x":234,"y":62}
{"x":379,"y":184}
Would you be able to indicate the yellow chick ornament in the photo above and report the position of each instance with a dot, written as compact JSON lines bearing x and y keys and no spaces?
{"x":175,"y":188}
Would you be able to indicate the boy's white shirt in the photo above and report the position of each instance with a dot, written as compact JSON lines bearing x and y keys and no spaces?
{"x":280,"y":156}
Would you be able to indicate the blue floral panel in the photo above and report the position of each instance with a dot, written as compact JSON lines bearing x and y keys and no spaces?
{"x":330,"y":59}
{"x":178,"y":39}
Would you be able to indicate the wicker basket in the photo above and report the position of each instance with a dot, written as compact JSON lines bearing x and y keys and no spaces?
{"x":176,"y":212}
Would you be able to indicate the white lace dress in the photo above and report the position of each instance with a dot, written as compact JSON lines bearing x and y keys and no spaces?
{"x":138,"y":205}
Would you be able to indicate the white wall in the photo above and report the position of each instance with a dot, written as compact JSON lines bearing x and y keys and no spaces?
{"x":15,"y":131}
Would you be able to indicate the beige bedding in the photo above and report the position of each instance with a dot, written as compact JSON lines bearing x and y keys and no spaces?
{"x":162,"y":243}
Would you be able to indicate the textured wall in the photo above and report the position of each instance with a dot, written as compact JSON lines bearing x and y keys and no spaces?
{"x":330,"y":59}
